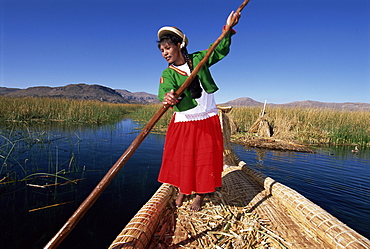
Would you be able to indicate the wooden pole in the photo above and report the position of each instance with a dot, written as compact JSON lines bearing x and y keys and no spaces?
{"x":263,"y":110}
{"x":102,"y":185}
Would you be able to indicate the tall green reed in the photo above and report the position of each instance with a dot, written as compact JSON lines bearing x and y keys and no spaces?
{"x":310,"y":125}
{"x":307,"y":125}
{"x":42,"y":109}
{"x":146,"y":112}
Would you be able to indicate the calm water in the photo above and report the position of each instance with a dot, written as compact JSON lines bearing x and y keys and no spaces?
{"x":95,"y":151}
{"x":333,"y":178}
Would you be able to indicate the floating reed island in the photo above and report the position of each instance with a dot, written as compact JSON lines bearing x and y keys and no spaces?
{"x":250,"y":210}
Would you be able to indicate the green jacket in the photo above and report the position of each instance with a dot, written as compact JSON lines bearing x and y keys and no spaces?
{"x":173,"y":78}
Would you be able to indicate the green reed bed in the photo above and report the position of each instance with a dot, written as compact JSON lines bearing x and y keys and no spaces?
{"x":307,"y":125}
{"x":30,"y":109}
{"x":310,"y":125}
{"x":145,"y":113}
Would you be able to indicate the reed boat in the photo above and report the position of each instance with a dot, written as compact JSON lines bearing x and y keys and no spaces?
{"x":250,"y":210}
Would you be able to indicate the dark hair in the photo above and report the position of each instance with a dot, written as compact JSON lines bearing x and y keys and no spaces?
{"x":169,"y":39}
{"x":194,"y":87}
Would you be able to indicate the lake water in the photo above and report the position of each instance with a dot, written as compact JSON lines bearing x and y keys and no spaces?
{"x":333,"y":178}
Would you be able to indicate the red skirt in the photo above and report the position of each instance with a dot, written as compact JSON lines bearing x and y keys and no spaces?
{"x":193,"y":156}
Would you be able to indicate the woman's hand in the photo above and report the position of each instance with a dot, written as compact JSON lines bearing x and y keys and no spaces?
{"x":170,"y":99}
{"x":233,"y":19}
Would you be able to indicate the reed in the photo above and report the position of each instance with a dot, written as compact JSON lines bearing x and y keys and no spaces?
{"x":16,"y":167}
{"x":307,"y":125}
{"x":310,"y":125}
{"x":30,"y":109}
{"x":145,"y":113}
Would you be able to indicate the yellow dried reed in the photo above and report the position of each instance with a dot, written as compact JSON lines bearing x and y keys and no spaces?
{"x":230,"y":158}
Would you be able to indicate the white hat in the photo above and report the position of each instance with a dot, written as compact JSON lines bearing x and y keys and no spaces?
{"x":174,"y":31}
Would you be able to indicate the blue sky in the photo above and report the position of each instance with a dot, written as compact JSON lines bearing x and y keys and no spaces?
{"x":284,"y":50}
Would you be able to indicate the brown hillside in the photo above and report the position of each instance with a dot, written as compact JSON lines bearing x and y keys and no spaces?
{"x":74,"y":91}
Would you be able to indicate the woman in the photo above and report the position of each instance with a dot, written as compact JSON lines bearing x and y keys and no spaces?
{"x":193,"y":151}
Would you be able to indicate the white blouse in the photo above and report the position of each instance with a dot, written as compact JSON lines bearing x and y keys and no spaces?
{"x":206,"y":107}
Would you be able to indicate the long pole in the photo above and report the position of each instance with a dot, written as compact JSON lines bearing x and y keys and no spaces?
{"x":102,"y":185}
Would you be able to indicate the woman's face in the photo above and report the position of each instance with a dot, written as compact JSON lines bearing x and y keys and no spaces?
{"x":172,"y":53}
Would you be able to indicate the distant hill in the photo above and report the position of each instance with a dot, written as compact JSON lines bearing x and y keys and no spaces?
{"x":5,"y":90}
{"x":106,"y":94}
{"x":317,"y":104}
{"x":139,"y":97}
{"x":82,"y":91}
{"x":245,"y":101}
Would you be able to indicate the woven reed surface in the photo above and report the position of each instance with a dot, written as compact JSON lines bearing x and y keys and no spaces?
{"x":258,"y":200}
{"x":309,"y":217}
{"x":139,"y":231}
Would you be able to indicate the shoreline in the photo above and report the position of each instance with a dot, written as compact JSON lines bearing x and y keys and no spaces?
{"x":272,"y":144}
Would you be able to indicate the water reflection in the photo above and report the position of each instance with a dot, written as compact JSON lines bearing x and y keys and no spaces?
{"x":333,"y":177}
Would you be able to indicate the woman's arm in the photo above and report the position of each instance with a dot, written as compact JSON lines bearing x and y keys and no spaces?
{"x":223,"y":48}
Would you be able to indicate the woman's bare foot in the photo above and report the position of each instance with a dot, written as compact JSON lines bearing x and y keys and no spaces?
{"x":197,"y":203}
{"x":179,"y":199}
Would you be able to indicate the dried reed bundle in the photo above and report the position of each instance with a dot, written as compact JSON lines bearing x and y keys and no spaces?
{"x":220,"y":225}
{"x":261,"y":127}
{"x":283,"y":126}
{"x":230,"y":158}
{"x":225,"y":221}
